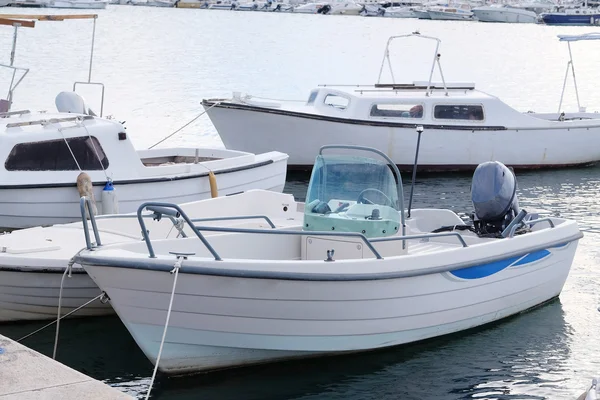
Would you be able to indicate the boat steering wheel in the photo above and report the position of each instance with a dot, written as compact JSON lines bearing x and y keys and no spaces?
{"x":362,"y":199}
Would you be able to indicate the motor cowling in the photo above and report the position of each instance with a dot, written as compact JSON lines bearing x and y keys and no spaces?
{"x":494,"y":197}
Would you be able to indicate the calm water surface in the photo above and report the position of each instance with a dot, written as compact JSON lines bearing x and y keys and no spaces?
{"x":158,"y":64}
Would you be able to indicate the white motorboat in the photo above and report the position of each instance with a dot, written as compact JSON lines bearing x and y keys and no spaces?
{"x":33,"y":260}
{"x":312,"y":8}
{"x":223,"y":5}
{"x":50,"y":159}
{"x":421,"y":13}
{"x":459,"y":12}
{"x":400,"y":12}
{"x":78,"y":4}
{"x":344,"y":7}
{"x":465,"y":126}
{"x":358,"y":274}
{"x":504,"y":13}
{"x":155,"y":3}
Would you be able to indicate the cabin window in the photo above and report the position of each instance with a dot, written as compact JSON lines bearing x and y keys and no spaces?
{"x":312,"y":97}
{"x":336,"y":101}
{"x":54,"y":155}
{"x":467,"y":112}
{"x":397,"y":110}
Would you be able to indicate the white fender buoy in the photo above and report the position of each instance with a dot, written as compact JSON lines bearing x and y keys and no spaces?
{"x":85,"y":188}
{"x":110,"y":202}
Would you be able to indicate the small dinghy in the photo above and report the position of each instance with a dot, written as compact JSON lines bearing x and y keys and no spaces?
{"x":33,"y":260}
{"x":359,"y":273}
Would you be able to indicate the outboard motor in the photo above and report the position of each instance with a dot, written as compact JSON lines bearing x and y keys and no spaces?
{"x":71,"y":102}
{"x":494,"y":196}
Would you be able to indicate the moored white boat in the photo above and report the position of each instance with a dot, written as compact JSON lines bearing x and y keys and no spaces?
{"x":460,"y":12}
{"x":51,"y":159}
{"x":33,"y":260}
{"x":78,"y":4}
{"x":465,"y":126}
{"x":504,"y":13}
{"x":312,"y":8}
{"x":358,"y":274}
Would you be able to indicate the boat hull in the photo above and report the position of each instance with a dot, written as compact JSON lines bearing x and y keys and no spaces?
{"x":256,"y":129}
{"x":33,"y":295}
{"x":449,"y":16}
{"x":94,"y":5}
{"x":35,"y":205}
{"x":505,"y":15}
{"x":569,"y":19}
{"x":223,"y":321}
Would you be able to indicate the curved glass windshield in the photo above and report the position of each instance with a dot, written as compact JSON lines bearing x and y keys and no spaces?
{"x":352,"y":194}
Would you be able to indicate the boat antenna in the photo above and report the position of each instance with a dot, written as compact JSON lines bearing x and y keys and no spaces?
{"x":414,"y":172}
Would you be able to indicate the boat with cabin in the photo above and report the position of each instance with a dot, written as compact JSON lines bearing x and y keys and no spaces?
{"x":50,"y":159}
{"x":78,"y":4}
{"x":454,"y":12}
{"x":573,"y":15}
{"x":504,"y":13}
{"x":360,"y":272}
{"x":465,"y":126}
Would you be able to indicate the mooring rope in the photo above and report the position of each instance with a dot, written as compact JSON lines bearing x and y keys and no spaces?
{"x":184,"y":126}
{"x":175,"y":270}
{"x":100,"y":296}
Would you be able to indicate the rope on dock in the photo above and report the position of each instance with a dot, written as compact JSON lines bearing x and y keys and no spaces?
{"x":175,"y":270}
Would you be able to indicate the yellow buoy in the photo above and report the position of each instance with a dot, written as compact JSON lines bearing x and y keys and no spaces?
{"x":213,"y":184}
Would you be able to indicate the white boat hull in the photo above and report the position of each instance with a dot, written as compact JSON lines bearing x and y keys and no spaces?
{"x":223,"y":321}
{"x":84,"y":5}
{"x":259,"y":129}
{"x":32,"y":261}
{"x":507,"y":15}
{"x":34,"y":295}
{"x":35,"y":205}
{"x":450,"y":16}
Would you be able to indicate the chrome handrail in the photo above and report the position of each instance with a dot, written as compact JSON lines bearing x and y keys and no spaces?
{"x":84,"y":203}
{"x":211,"y":249}
{"x":422,"y":236}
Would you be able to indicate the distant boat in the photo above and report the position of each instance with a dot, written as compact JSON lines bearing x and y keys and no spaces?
{"x":504,"y":13}
{"x":579,"y":16}
{"x":78,"y":4}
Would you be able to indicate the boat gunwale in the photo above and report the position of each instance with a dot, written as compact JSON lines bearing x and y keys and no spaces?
{"x":155,"y":264}
{"x":145,"y":180}
{"x":223,"y":103}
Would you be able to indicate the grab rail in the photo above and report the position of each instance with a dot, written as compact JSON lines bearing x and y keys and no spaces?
{"x":211,"y":249}
{"x":369,"y":243}
{"x":271,"y":224}
{"x":423,"y":236}
{"x":84,"y":203}
{"x":532,"y":222}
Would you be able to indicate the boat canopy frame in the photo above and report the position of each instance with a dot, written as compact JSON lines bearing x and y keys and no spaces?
{"x":571,"y":65}
{"x":435,"y":62}
{"x":28,"y":20}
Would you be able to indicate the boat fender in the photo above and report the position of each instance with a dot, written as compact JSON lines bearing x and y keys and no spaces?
{"x":212,"y":180}
{"x":85,"y":188}
{"x":110,"y":202}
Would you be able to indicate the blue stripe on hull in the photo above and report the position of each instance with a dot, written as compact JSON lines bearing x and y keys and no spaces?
{"x":485,"y":270}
